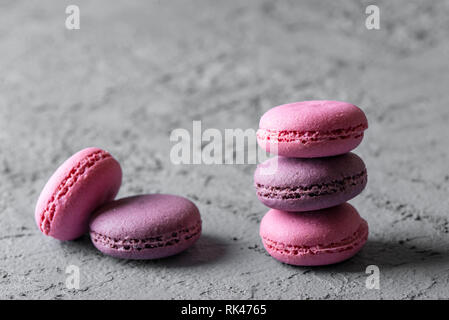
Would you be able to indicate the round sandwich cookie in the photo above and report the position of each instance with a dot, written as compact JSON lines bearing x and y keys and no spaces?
{"x":314,"y":238}
{"x":146,"y":226}
{"x":301,"y":184}
{"x":312,"y":129}
{"x":85,"y":181}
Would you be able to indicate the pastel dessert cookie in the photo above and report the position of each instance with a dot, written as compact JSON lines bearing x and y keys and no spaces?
{"x":314,"y":238}
{"x":312,"y":129}
{"x":309,"y":184}
{"x":81,"y":184}
{"x":146,"y":226}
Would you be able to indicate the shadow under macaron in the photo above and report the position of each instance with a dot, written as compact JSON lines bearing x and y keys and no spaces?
{"x":395,"y":254}
{"x":386,"y":255}
{"x":208,"y":249}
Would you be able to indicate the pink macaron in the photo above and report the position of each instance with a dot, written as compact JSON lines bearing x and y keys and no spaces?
{"x":314,"y":238}
{"x":146,"y":226}
{"x":312,"y":129}
{"x":85,"y":181}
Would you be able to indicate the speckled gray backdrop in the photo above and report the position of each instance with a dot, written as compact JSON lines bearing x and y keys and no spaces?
{"x":139,"y":69}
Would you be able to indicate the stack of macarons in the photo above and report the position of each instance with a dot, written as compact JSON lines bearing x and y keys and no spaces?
{"x":79,"y":198}
{"x":309,"y":181}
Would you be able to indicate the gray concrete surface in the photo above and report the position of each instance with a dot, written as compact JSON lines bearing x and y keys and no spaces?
{"x":139,"y":69}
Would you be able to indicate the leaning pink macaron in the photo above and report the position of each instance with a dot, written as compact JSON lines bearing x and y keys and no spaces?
{"x":81,"y":184}
{"x":310,"y":129}
{"x":314,"y":238}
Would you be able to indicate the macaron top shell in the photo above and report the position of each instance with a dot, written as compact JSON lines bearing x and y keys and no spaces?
{"x":145,"y":216}
{"x":296,"y":172}
{"x":318,"y":228}
{"x":314,"y":115}
{"x":85,"y":181}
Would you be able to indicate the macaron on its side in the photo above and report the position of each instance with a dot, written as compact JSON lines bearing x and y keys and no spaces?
{"x":314,"y":238}
{"x":81,"y":184}
{"x":146,"y":227}
{"x":311,"y":129}
{"x":310,"y":184}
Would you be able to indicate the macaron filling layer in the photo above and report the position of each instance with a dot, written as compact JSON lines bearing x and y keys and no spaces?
{"x":164,"y":240}
{"x":306,"y":137}
{"x":65,"y":186}
{"x":314,"y":190}
{"x":359,"y":237}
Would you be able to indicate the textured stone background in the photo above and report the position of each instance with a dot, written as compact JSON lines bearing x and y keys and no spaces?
{"x":139,"y":69}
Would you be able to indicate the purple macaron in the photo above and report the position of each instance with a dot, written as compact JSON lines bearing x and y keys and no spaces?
{"x":295,"y":184}
{"x":146,"y":226}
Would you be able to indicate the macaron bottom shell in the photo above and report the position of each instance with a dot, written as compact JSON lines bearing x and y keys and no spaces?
{"x":151,"y":248}
{"x":310,"y":149}
{"x":313,"y":203}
